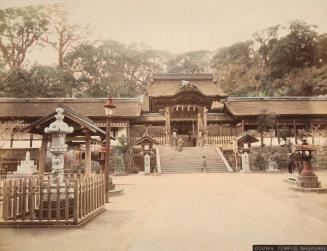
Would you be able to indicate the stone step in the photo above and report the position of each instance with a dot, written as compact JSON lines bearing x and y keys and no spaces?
{"x":189,"y":160}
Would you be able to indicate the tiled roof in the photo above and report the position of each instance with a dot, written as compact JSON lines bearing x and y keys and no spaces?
{"x":170,"y":87}
{"x":280,"y":105}
{"x":90,"y":107}
{"x":176,"y":76}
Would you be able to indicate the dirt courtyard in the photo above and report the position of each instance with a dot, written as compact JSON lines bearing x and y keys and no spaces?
{"x":226,"y":211}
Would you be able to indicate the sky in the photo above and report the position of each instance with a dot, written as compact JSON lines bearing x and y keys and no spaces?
{"x":184,"y":25}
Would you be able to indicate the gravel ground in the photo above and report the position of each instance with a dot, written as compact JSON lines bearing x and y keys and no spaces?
{"x":225,"y":211}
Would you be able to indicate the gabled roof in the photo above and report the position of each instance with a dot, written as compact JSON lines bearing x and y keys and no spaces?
{"x":84,"y":122}
{"x":146,"y":137}
{"x":90,"y":107}
{"x":170,"y":84}
{"x":246,"y":138}
{"x":296,"y":106}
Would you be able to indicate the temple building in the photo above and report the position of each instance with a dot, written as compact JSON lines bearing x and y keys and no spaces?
{"x":190,"y":106}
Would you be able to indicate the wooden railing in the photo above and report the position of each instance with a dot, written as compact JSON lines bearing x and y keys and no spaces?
{"x":224,"y":142}
{"x":35,"y":201}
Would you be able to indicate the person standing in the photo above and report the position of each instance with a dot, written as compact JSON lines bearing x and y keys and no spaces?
{"x":204,"y":164}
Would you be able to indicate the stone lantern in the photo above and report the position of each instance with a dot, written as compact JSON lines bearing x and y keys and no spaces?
{"x":307,"y":180}
{"x":58,"y":130}
{"x":244,"y":143}
{"x":147,"y":142}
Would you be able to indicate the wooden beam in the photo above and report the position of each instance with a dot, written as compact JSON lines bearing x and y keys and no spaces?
{"x":295,"y":131}
{"x":43,"y":155}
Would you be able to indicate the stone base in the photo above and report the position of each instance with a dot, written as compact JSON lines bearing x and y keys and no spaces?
{"x":292,"y":179}
{"x":309,"y":190}
{"x":308,"y":181}
{"x":116,"y":192}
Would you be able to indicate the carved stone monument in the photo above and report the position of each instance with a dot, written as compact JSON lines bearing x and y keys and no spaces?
{"x":26,"y":167}
{"x":272,"y":165}
{"x":58,"y":129}
{"x":147,"y":166}
{"x":245,"y":163}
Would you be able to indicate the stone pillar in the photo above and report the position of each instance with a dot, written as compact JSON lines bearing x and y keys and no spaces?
{"x":245,"y":163}
{"x":88,"y":170}
{"x":147,"y":166}
{"x":167,"y":125}
{"x":43,"y":155}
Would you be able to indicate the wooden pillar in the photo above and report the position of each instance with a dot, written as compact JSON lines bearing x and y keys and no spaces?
{"x":205,"y":125}
{"x":128,"y":132}
{"x":277,"y":131}
{"x":87,"y":154}
{"x":295,"y":131}
{"x":167,"y":125}
{"x":31,"y":140}
{"x":220,"y":131}
{"x":43,"y":155}
{"x":11,"y":140}
{"x":200,"y":123}
{"x":242,"y":124}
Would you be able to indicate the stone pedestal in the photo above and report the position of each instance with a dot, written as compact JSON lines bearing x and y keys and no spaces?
{"x":26,"y":168}
{"x":245,"y":163}
{"x":272,"y":166}
{"x":147,"y":166}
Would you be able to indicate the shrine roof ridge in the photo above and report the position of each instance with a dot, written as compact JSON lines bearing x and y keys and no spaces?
{"x":177,"y":76}
{"x":67,"y":100}
{"x":282,"y":98}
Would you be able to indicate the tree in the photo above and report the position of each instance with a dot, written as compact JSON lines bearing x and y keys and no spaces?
{"x":190,"y":62}
{"x":266,"y":39}
{"x":298,"y":49}
{"x":7,"y":130}
{"x":39,"y":81}
{"x":112,"y":67}
{"x":265,"y":122}
{"x":126,"y":150}
{"x":236,"y":66}
{"x":20,"y":29}
{"x":62,"y":36}
{"x":321,"y":56}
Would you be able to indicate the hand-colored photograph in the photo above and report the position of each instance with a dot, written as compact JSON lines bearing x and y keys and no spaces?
{"x":163,"y":125}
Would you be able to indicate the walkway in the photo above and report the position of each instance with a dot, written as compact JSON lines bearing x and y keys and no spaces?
{"x":224,"y":211}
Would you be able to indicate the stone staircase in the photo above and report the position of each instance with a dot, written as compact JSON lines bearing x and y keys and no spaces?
{"x":189,"y":160}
